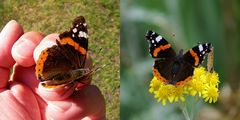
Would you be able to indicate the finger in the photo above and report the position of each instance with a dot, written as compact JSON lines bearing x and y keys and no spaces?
{"x":92,"y":101}
{"x":25,"y":75}
{"x":18,"y":103}
{"x":47,"y":42}
{"x":22,"y":50}
{"x":24,"y":96}
{"x":85,"y":103}
{"x":58,"y":93}
{"x":10,"y":33}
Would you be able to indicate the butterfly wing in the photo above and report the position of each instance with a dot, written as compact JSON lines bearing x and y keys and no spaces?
{"x":196,"y":55}
{"x":76,"y":38}
{"x":50,"y":63}
{"x":163,"y":53}
{"x":161,"y":70}
{"x":56,"y":63}
{"x":172,"y":71}
{"x":158,"y":46}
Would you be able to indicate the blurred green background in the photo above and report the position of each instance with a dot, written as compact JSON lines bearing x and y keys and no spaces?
{"x":56,"y":16}
{"x":183,"y":23}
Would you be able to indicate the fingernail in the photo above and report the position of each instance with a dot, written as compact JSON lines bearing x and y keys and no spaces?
{"x":8,"y":25}
{"x":60,"y":106}
{"x":12,"y":21}
{"x":6,"y":28}
{"x":25,"y":48}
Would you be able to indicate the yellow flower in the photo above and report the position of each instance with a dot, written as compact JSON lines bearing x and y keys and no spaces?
{"x":154,"y":85}
{"x":199,"y":71}
{"x":163,"y":93}
{"x":212,"y":78}
{"x":196,"y":86}
{"x":176,"y":94}
{"x":166,"y":93}
{"x":211,"y":94}
{"x":204,"y":84}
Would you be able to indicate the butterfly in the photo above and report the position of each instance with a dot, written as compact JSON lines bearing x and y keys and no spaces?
{"x":172,"y":68}
{"x":64,"y":63}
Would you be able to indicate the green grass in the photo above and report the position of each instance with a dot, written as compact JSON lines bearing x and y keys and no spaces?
{"x":55,"y":16}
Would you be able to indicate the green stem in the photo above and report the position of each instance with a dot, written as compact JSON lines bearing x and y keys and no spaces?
{"x":184,"y":110}
{"x":195,"y":101}
{"x":193,"y":108}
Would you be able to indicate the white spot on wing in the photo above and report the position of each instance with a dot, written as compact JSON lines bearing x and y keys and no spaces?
{"x":85,"y":24}
{"x":85,"y":35}
{"x":152,"y":41}
{"x":158,"y":39}
{"x":82,"y":34}
{"x":200,"y":47}
{"x":74,"y":30}
{"x":73,"y":35}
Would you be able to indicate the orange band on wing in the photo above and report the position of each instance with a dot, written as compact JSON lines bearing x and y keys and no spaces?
{"x":158,"y":75}
{"x":195,"y":57}
{"x":182,"y":83}
{"x":71,"y":42}
{"x":160,"y":48}
{"x":40,"y":62}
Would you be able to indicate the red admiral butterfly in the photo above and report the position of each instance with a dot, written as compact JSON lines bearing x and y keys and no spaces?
{"x":171,"y":68}
{"x":64,"y":63}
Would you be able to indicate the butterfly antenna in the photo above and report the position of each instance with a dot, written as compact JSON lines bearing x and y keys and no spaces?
{"x":100,"y":67}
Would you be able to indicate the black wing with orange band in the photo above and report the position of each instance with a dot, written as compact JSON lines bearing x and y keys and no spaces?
{"x":69,"y":53}
{"x":158,"y":46}
{"x":196,"y":55}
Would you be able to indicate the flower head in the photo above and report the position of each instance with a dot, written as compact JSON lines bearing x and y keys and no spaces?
{"x":212,"y":78}
{"x":210,"y":94}
{"x":163,"y":94}
{"x":203,"y":83}
{"x":155,"y":85}
{"x":195,"y":87}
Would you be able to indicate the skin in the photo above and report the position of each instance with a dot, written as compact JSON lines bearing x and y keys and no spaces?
{"x":21,"y":96}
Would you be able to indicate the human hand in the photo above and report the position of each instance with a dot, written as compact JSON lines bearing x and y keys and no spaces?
{"x":21,"y":96}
